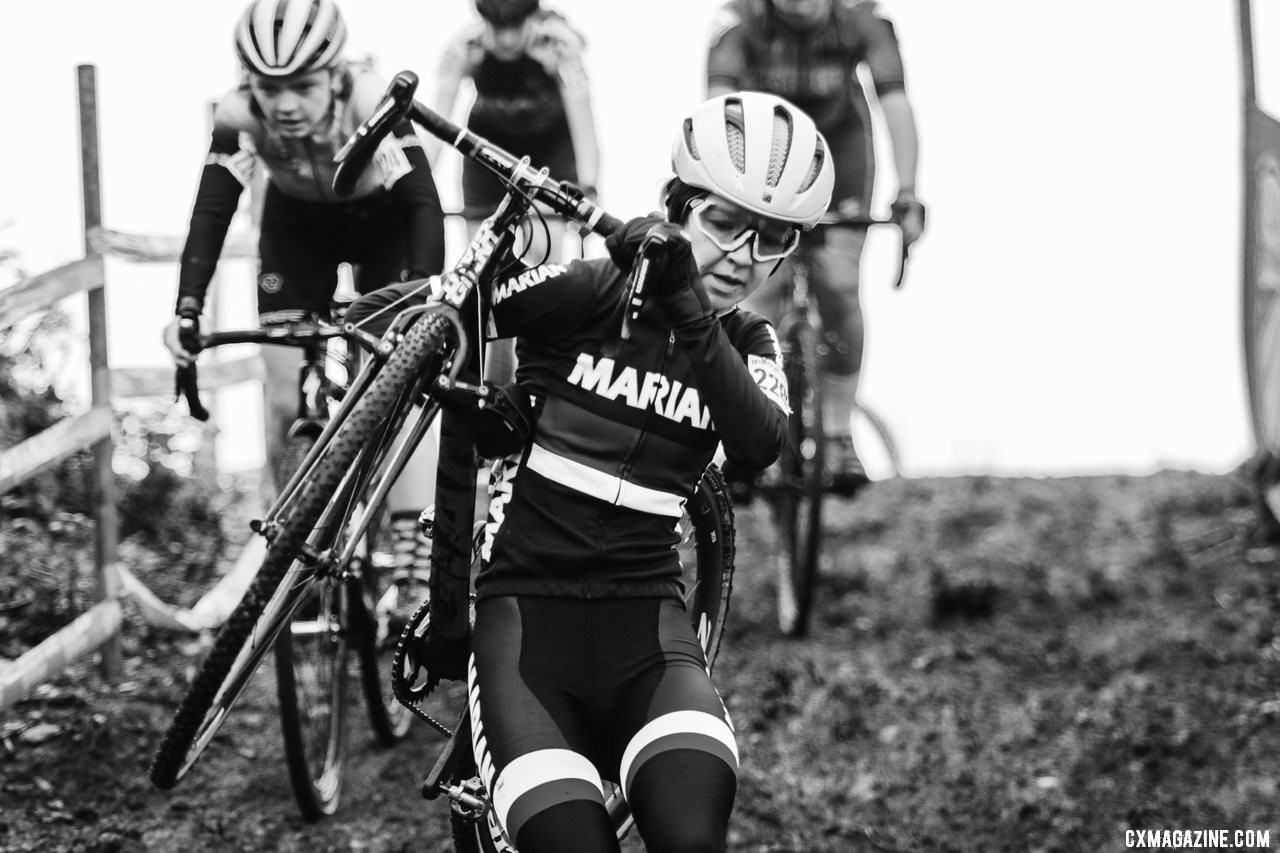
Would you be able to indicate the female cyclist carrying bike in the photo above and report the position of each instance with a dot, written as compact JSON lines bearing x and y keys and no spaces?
{"x":584,"y":666}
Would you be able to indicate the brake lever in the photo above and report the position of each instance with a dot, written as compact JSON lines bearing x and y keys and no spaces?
{"x":637,"y":279}
{"x":186,"y":379}
{"x":186,"y":384}
{"x":902,"y":265}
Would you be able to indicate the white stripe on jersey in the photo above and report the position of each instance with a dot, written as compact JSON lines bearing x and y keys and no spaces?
{"x":606,"y":487}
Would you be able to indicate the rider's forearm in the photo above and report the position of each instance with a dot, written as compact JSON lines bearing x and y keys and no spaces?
{"x":582,"y":132}
{"x":446,"y":97}
{"x":901,"y":122}
{"x":727,"y":62}
{"x":426,"y":219}
{"x":752,"y":428}
{"x":215,"y":206}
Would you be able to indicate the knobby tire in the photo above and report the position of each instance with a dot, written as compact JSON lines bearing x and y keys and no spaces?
{"x":374,"y":646}
{"x":797,"y":498}
{"x":196,"y":715}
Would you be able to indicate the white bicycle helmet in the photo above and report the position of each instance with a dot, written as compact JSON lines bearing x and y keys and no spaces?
{"x":759,"y":151}
{"x":280,"y":38}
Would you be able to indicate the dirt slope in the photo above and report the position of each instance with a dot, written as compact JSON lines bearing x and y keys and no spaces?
{"x":996,"y":664}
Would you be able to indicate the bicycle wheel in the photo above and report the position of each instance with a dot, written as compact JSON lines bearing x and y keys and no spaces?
{"x":796,"y":487}
{"x":257,"y":620}
{"x":707,"y":559}
{"x":707,"y":551}
{"x":371,"y":599}
{"x":311,"y":683}
{"x":876,"y":448}
{"x":311,"y":679}
{"x":376,"y":645}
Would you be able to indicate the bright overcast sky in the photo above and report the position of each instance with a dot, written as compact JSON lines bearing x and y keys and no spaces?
{"x":1074,"y":307}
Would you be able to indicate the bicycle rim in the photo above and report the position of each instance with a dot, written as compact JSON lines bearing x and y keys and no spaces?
{"x":374,"y":644}
{"x":311,"y":682}
{"x":707,"y":551}
{"x":876,"y":448}
{"x":239,"y":649}
{"x":797,"y":498}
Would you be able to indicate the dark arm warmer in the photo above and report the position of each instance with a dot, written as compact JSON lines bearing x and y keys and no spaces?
{"x":215,"y":205}
{"x":426,"y":220}
{"x":752,"y":428}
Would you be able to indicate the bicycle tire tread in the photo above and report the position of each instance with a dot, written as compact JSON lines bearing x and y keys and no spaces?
{"x":429,"y":334}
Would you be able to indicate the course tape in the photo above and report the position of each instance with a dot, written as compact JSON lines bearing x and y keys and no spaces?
{"x":95,"y":626}
{"x":90,"y":630}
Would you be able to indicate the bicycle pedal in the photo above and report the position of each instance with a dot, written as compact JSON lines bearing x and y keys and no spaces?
{"x":468,"y":800}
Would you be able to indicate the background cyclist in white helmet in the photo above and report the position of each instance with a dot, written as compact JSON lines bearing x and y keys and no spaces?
{"x":808,"y":51}
{"x":584,"y":665}
{"x":296,"y":105}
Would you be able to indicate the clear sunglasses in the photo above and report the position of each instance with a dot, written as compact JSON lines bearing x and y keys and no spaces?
{"x":730,"y":227}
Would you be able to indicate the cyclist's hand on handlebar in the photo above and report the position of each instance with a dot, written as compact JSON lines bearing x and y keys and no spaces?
{"x":909,"y":213}
{"x":675,"y":279}
{"x":624,"y":243}
{"x":177,"y":339}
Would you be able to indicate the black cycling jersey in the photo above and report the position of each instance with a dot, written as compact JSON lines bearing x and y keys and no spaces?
{"x":519,"y":104}
{"x":751,"y":48}
{"x":392,"y":222}
{"x":623,"y":432}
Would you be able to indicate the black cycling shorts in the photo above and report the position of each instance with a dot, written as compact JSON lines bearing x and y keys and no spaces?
{"x":853,"y":157}
{"x":303,"y":242}
{"x":566,"y":692}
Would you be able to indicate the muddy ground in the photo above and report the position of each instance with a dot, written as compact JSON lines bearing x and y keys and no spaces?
{"x":996,"y":664}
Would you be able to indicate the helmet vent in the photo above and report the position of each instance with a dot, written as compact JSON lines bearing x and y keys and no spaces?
{"x":815,"y":167}
{"x":689,"y":141}
{"x":779,"y":147}
{"x":735,"y":134}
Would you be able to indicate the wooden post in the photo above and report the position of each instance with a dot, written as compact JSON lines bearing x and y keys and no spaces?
{"x":1245,"y":17}
{"x":104,"y":499}
{"x":205,"y":459}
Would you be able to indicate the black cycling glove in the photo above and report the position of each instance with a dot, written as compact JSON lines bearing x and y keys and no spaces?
{"x":674,"y":279}
{"x":677,"y":283}
{"x":623,"y":244}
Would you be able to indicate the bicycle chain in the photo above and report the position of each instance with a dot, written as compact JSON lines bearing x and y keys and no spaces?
{"x":406,"y":694}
